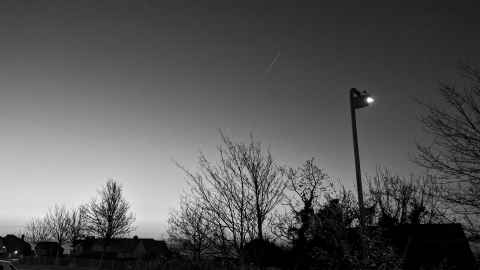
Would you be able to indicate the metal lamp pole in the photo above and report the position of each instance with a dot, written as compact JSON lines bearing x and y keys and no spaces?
{"x":357,"y":158}
{"x":358,"y":100}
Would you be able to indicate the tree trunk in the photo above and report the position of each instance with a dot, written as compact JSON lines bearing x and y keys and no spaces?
{"x":57,"y":255}
{"x":259,"y":213}
{"x":259,"y":226}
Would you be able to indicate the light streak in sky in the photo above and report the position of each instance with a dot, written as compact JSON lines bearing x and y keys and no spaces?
{"x":269,"y":68}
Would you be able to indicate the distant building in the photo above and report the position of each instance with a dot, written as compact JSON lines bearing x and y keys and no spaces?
{"x":48,"y":249}
{"x":423,"y":246}
{"x":123,"y":248}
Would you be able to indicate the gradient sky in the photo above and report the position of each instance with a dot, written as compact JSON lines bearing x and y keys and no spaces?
{"x":92,"y":90}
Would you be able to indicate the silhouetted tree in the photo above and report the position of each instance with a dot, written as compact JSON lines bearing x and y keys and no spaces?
{"x":263,"y":178}
{"x":335,"y":243}
{"x":191,"y":227}
{"x":454,"y":153}
{"x":36,"y":230}
{"x":321,"y":222}
{"x":307,"y":184}
{"x":109,"y":216}
{"x":76,"y":224}
{"x":348,"y":204}
{"x":225,"y":199}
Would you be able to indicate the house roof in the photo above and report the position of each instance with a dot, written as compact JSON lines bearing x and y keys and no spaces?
{"x":14,"y":243}
{"x":124,"y":244}
{"x":47,"y":245}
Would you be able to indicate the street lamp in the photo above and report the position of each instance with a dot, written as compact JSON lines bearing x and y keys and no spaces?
{"x":358,"y":100}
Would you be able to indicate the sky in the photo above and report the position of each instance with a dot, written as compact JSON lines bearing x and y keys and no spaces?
{"x":98,"y":90}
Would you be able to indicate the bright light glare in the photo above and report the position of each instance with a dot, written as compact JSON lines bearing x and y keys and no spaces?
{"x":369,"y":100}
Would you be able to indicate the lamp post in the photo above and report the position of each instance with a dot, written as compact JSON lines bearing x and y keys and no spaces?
{"x":358,"y":100}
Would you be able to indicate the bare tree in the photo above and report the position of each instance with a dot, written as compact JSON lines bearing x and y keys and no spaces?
{"x":36,"y":230}
{"x":401,"y":200}
{"x":109,"y":216}
{"x":263,"y":178}
{"x":190,"y":226}
{"x":454,"y":153}
{"x":222,"y":190}
{"x":240,"y":190}
{"x":57,"y":220}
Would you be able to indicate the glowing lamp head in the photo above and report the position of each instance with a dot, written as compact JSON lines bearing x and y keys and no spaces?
{"x":360,"y":99}
{"x":15,"y":252}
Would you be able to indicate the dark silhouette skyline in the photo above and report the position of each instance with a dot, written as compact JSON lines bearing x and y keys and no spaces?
{"x":91,"y":91}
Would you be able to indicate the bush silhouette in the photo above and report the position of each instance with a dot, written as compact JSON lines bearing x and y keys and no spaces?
{"x":263,"y":253}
